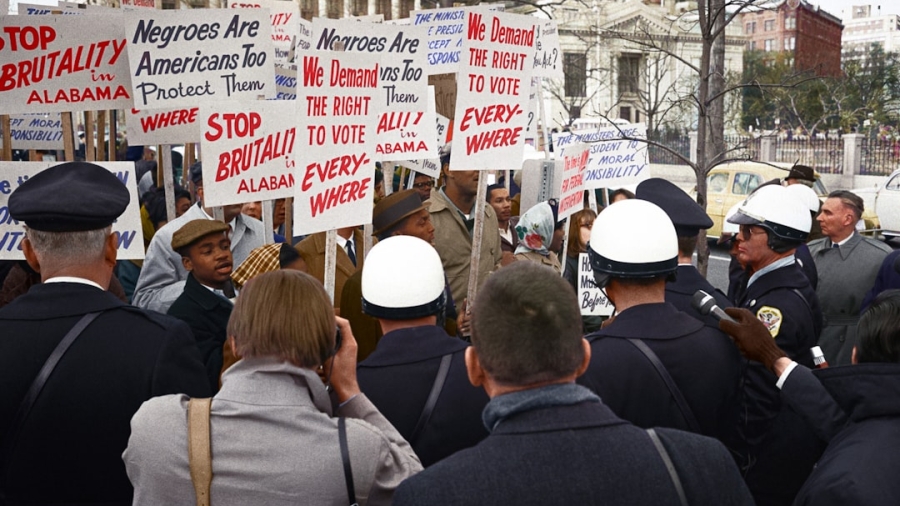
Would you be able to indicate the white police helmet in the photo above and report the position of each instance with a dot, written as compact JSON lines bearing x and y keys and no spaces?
{"x":727,"y":226}
{"x":632,"y":239}
{"x":776,"y":209}
{"x":806,"y":195}
{"x":402,"y":279}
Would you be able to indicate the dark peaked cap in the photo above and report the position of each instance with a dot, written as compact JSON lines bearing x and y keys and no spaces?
{"x":685,"y":213}
{"x":802,"y":172}
{"x":69,"y":197}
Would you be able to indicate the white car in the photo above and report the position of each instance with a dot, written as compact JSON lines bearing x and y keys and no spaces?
{"x":883,"y":205}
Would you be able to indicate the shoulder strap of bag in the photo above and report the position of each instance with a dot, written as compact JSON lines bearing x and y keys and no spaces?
{"x":199,"y":454}
{"x":345,"y":459}
{"x":686,"y":412}
{"x":40,"y":380}
{"x":670,"y":467}
{"x":436,"y":388}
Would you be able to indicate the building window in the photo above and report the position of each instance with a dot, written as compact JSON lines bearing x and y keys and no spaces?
{"x":751,"y":45}
{"x":625,"y":113}
{"x":770,"y":44}
{"x":789,"y":43}
{"x":769,"y":25}
{"x":575,"y":69}
{"x":790,"y":23}
{"x":751,"y":27}
{"x":629,"y":73}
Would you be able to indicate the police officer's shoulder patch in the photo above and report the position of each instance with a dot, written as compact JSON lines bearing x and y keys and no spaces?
{"x":771,"y":318}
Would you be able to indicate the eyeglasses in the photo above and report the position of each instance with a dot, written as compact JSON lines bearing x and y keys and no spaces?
{"x":423,"y":185}
{"x":747,"y":231}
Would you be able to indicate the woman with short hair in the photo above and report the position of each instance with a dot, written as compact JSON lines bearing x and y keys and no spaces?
{"x":273,"y":437}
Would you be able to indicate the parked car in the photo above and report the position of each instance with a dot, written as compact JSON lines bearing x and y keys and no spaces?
{"x":729,"y":183}
{"x":882,"y":206}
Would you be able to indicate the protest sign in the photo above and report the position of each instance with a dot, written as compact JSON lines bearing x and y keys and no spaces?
{"x":27,"y":9}
{"x":284,"y":16}
{"x":249,"y":150}
{"x":618,"y":157}
{"x":63,"y":63}
{"x":185,"y":57}
{"x":127,"y":227}
{"x":547,"y":54}
{"x":593,"y":300}
{"x":571,"y":193}
{"x":431,"y":166}
{"x":304,"y":37}
{"x":285,"y":83}
{"x":162,"y":126}
{"x":404,"y":129}
{"x":36,"y":131}
{"x":446,"y":28}
{"x":337,"y":128}
{"x":493,"y":91}
{"x":138,"y":4}
{"x":4,"y":7}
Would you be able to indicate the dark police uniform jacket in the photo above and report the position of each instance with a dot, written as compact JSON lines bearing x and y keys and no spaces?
{"x":703,"y":362}
{"x":681,"y":292}
{"x":70,"y":448}
{"x":774,"y":437}
{"x":207,"y":315}
{"x":397,"y":377}
{"x":579,"y":454}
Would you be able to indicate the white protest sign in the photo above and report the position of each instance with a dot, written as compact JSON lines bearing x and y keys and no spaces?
{"x":285,"y":83}
{"x":336,"y":125}
{"x":404,"y":128}
{"x":162,"y":126}
{"x":36,"y":131}
{"x":4,"y":7}
{"x":547,"y":54}
{"x":283,"y":15}
{"x":431,"y":166}
{"x":493,"y":91}
{"x":127,"y":227}
{"x":180,"y":58}
{"x":372,"y":18}
{"x":249,"y":150}
{"x":593,"y":300}
{"x":304,"y":35}
{"x":533,"y":111}
{"x":26,"y":9}
{"x":571,"y":193}
{"x":446,"y":28}
{"x":614,"y":162}
{"x":63,"y":63}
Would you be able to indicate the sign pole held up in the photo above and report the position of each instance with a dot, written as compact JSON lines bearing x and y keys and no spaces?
{"x":5,"y":125}
{"x":89,"y":148}
{"x":165,"y":165}
{"x":268,"y":206}
{"x":68,"y":136}
{"x":477,"y":236}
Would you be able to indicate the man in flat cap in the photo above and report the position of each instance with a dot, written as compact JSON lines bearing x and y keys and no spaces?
{"x":163,"y":275}
{"x":688,"y":218}
{"x":205,"y":305}
{"x":75,"y":362}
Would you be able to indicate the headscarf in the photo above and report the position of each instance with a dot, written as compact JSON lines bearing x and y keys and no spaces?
{"x":262,"y":259}
{"x":535,"y":230}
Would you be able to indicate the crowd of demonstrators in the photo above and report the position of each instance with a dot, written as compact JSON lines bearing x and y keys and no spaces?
{"x":163,"y":276}
{"x":552,"y":441}
{"x":652,"y":364}
{"x":529,"y":413}
{"x":271,"y":435}
{"x":416,"y":375}
{"x":847,"y":264}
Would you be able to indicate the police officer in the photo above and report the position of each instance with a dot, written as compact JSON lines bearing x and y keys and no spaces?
{"x":76,"y":362}
{"x":778,"y":451}
{"x":417,"y":375}
{"x":654,"y":365}
{"x":688,"y":218}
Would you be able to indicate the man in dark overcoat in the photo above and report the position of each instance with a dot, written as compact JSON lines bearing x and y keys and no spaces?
{"x":66,"y":446}
{"x":553,"y":441}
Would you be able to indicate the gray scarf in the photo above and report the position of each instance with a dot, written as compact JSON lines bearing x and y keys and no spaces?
{"x":506,"y":405}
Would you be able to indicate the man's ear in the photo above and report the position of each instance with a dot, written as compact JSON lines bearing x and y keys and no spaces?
{"x":186,"y":262}
{"x":473,"y":367}
{"x":111,"y":249}
{"x":30,"y":255}
{"x":586,"y":361}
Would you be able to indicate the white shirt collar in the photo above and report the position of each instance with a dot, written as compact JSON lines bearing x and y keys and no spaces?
{"x":845,"y":240}
{"x":343,"y":242}
{"x":73,"y":279}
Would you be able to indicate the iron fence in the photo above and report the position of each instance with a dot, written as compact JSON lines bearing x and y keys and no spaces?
{"x":879,"y":156}
{"x":825,"y":155}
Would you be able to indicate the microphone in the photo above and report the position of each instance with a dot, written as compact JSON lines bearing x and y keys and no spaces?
{"x":705,"y":304}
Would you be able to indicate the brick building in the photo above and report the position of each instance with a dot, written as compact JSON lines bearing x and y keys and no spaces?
{"x":810,"y":33}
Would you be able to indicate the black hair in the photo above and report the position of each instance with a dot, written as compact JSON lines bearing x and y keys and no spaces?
{"x":287,"y":255}
{"x":491,"y":188}
{"x":879,"y":330}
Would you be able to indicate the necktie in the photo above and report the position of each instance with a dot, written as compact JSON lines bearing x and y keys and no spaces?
{"x":836,"y":246}
{"x":350,"y":252}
